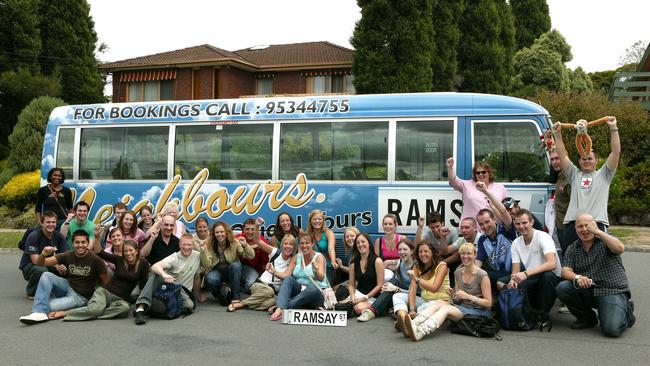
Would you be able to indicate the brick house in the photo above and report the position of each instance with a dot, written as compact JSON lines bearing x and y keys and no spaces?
{"x":207,"y":72}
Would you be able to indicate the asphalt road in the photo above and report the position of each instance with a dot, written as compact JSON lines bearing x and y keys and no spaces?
{"x":211,"y":336}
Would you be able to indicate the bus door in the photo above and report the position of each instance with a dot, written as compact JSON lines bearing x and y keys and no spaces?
{"x":511,"y":145}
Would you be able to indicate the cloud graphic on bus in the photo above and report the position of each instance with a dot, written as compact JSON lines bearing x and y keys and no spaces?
{"x":342,"y":195}
{"x":151,"y":194}
{"x":48,"y":162}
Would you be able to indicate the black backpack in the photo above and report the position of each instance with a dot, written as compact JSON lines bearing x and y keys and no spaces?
{"x":477,"y":326}
{"x":23,"y":240}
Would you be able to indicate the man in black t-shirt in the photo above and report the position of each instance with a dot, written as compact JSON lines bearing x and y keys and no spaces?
{"x":34,"y":244}
{"x":163,"y":244}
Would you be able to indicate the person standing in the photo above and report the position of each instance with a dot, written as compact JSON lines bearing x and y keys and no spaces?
{"x":54,"y":197}
{"x":590,"y":187}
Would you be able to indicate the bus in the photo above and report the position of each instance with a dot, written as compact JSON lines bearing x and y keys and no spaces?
{"x":356,"y":157}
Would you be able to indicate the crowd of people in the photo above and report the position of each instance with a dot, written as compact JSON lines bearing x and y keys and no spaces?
{"x":76,"y":270}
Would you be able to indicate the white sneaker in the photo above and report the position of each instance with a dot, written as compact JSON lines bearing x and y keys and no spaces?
{"x":563,"y":309}
{"x":33,"y":318}
{"x":366,"y":315}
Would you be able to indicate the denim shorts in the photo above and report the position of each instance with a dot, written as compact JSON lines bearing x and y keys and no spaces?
{"x":466,"y":310}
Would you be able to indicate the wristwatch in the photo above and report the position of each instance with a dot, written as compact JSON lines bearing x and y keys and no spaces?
{"x":577,"y":277}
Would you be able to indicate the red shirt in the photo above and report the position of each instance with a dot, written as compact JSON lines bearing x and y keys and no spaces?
{"x":261,"y":258}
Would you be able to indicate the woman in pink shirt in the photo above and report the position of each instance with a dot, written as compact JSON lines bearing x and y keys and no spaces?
{"x":473,"y":199}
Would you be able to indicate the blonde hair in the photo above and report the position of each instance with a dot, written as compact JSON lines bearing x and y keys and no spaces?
{"x":467,"y":246}
{"x":310,"y":229}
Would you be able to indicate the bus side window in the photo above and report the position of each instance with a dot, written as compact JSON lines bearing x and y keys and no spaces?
{"x":65,"y":151}
{"x":512,"y":148}
{"x":422,"y":148}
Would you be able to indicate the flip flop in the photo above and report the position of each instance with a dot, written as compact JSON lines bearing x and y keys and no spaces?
{"x":275,"y":316}
{"x":54,"y":315}
{"x":271,"y":309}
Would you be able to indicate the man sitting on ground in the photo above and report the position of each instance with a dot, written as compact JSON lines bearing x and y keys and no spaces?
{"x":85,"y":269}
{"x":46,"y":236}
{"x":252,"y":268}
{"x":535,"y":265}
{"x":181,"y":268}
{"x":594,"y":278}
{"x":163,"y":244}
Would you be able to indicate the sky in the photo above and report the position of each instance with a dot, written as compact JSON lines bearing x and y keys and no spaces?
{"x":599,"y":31}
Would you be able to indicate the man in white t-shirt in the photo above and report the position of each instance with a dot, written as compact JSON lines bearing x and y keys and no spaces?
{"x":535,"y":264}
{"x":181,"y":268}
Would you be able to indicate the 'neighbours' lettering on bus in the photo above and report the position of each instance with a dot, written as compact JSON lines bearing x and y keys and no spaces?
{"x":245,"y":197}
{"x":215,"y":109}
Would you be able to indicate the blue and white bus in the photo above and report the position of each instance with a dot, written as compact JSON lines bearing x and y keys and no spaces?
{"x":356,"y":157}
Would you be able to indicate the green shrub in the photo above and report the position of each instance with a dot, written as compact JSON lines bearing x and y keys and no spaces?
{"x":21,"y":190}
{"x":629,"y":193}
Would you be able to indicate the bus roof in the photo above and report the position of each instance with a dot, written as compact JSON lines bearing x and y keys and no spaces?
{"x":298,"y":108}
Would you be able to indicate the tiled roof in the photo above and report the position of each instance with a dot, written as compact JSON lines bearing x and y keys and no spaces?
{"x":296,"y":54}
{"x":197,"y":54}
{"x":312,"y":53}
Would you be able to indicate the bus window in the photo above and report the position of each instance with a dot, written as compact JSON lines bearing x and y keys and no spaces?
{"x":512,"y":148}
{"x":335,"y":151}
{"x":229,"y":152}
{"x":124,"y":153}
{"x":65,"y":151}
{"x":422,"y":148}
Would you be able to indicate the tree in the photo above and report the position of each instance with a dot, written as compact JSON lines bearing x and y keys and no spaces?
{"x":633,"y":54}
{"x":542,"y":67}
{"x":444,"y":65}
{"x":68,"y":44}
{"x":602,"y":80}
{"x":393,"y":44}
{"x":19,"y":36}
{"x":555,"y":41}
{"x":26,"y":141}
{"x":481,"y":54}
{"x":17,"y":89}
{"x":531,"y":19}
{"x":579,"y":82}
{"x":507,"y":38}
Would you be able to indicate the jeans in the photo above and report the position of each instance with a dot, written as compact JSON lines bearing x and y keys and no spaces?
{"x":540,"y":289}
{"x":613,"y":310}
{"x":32,"y":273}
{"x":214,"y":279}
{"x":63,"y":296}
{"x":291,"y":296}
{"x":249,"y":276}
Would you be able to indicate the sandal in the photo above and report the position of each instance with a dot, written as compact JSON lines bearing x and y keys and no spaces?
{"x":54,"y":315}
{"x":234,"y":306}
{"x":276,"y":316}
{"x":271,"y":309}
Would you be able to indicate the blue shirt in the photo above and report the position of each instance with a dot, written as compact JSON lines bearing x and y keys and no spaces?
{"x":497,"y":249}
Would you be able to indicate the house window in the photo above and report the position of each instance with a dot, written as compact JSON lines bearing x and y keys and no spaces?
{"x":264,"y":87}
{"x":330,"y":84}
{"x":147,"y":91}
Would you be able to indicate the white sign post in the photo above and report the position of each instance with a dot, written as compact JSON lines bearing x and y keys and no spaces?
{"x":315,"y":317}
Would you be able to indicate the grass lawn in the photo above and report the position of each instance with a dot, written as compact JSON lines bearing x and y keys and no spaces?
{"x":10,"y":239}
{"x":621,"y":233}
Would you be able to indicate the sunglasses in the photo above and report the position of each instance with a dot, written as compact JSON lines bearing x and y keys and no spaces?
{"x":481,"y":172}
